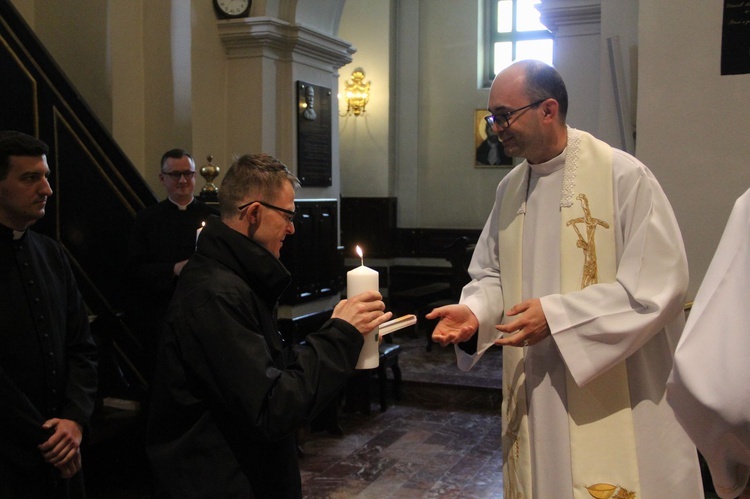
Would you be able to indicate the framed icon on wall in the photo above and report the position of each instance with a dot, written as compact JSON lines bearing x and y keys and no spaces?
{"x":488,"y":149}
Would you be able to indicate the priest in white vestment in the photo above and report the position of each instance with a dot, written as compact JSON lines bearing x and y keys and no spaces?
{"x":709,"y":387}
{"x":580,"y":275}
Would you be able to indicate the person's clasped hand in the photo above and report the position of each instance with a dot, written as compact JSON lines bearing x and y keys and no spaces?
{"x":365,"y":311}
{"x":62,"y":448}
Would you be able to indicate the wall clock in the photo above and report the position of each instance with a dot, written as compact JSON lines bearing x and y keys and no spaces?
{"x":230,"y":9}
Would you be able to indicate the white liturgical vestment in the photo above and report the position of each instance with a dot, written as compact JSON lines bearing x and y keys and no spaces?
{"x":637,"y":318}
{"x":710,"y":385}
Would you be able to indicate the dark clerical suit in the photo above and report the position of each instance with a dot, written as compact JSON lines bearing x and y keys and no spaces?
{"x":163,"y":235}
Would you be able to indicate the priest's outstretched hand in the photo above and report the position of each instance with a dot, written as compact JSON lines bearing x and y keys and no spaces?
{"x":457,"y":324}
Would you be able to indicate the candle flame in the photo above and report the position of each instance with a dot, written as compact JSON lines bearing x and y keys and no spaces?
{"x":203,"y":224}
{"x":359,"y":252}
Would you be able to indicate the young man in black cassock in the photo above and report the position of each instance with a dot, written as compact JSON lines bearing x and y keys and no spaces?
{"x":48,"y":374}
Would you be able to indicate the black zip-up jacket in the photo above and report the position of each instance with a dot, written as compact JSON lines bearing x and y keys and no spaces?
{"x":228,"y":393}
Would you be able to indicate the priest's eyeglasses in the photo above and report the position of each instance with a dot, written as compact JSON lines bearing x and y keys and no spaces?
{"x":289,"y":213}
{"x":503,"y":120}
{"x":176,"y":175}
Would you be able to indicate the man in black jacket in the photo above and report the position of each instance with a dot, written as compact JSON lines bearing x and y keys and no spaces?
{"x":48,"y":359}
{"x":228,"y":392}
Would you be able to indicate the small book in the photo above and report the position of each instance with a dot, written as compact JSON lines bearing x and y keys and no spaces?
{"x":396,"y":324}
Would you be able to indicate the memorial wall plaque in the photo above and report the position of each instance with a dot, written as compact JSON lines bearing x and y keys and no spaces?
{"x":314,"y":135}
{"x":735,"y":38}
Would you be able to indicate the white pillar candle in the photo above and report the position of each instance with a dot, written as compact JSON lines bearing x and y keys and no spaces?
{"x":358,"y":281}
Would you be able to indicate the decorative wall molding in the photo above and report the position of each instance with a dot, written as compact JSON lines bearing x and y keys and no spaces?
{"x":571,"y":17}
{"x":271,"y":37}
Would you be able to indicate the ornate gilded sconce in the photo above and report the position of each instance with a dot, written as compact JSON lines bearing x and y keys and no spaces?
{"x":357,"y":93}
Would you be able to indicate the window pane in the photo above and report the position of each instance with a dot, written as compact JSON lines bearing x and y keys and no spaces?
{"x":528,"y":16}
{"x":503,"y":56}
{"x":504,"y":16}
{"x":535,"y":49}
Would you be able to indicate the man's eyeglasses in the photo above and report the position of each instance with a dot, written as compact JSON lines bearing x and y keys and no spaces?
{"x":176,"y":175}
{"x":289,"y":213}
{"x":503,"y":120}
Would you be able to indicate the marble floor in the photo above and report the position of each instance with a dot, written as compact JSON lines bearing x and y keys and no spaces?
{"x":441,"y":439}
{"x":407,"y":452}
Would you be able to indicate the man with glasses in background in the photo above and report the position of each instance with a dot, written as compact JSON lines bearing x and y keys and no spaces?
{"x":229,"y":393}
{"x":162,"y":239}
{"x":580,"y":275}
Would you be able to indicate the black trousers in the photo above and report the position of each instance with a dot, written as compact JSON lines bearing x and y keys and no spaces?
{"x":40,"y":482}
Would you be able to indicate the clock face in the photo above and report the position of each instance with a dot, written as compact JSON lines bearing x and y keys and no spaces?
{"x":233,"y":8}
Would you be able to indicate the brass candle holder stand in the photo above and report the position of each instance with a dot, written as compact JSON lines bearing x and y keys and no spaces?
{"x":209,"y":192}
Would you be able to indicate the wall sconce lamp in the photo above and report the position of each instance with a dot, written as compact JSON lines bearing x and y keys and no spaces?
{"x":357,"y":93}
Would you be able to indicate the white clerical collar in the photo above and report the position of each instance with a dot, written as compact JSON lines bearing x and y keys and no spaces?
{"x":568,"y":161}
{"x":551,"y":166}
{"x":181,"y":207}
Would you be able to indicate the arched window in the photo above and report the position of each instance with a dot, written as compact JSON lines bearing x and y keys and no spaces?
{"x":514,"y":32}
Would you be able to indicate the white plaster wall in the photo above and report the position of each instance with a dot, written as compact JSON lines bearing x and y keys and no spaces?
{"x":318,"y":14}
{"x":429,"y":162}
{"x":364,"y":140}
{"x":73,"y":36}
{"x":405,"y":106}
{"x":582,"y":57}
{"x":692,"y":121}
{"x":166,"y":123}
{"x":128,"y":90}
{"x":577,"y":57}
{"x":209,"y":91}
{"x":453,"y":193}
{"x":619,"y":20}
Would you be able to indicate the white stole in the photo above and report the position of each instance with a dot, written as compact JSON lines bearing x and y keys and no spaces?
{"x":603,"y":453}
